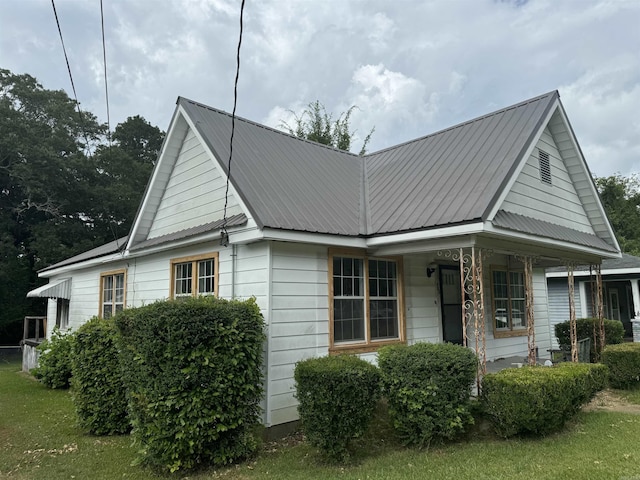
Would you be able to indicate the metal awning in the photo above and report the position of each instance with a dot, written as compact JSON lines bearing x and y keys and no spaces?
{"x":58,"y":289}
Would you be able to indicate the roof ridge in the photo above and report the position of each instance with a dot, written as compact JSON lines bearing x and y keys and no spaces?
{"x":467,"y":122}
{"x":266,"y":127}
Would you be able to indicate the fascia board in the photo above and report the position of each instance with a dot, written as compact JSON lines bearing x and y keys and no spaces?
{"x":169,"y":139}
{"x":583,"y":273}
{"x":548,"y":242}
{"x":592,"y":185}
{"x":453,"y":231}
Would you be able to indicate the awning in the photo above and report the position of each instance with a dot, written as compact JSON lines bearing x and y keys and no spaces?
{"x":58,"y":289}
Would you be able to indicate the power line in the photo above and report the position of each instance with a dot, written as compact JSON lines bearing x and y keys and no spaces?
{"x":224,"y":235}
{"x":73,"y":87}
{"x":106,"y":86}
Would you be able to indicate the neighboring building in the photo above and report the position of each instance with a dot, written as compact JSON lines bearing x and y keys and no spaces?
{"x":347,"y":253}
{"x":620,"y":291}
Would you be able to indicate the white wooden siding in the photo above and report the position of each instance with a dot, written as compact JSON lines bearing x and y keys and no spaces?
{"x":299,"y":323}
{"x":558,"y":203}
{"x":422,"y":302}
{"x":195,"y":193}
{"x":558,"y":289}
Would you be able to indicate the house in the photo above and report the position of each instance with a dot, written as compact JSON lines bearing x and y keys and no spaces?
{"x":346,"y":253}
{"x":620,"y":291}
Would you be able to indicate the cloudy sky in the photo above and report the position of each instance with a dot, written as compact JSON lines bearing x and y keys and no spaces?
{"x":411,"y":67}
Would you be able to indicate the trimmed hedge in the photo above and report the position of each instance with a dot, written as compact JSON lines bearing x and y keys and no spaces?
{"x":624,"y":365}
{"x":337,"y":395}
{"x":54,"y":361}
{"x":539,"y":400}
{"x":613,"y":332}
{"x":98,"y":392}
{"x":428,"y":387}
{"x":193,"y":370}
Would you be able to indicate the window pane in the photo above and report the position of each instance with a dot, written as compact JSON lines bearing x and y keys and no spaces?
{"x":348,"y":280}
{"x":518,"y":317}
{"x":119,"y":292}
{"x":348,"y":320}
{"x":106,"y":311}
{"x":183,"y":278}
{"x":384,"y":319}
{"x":206,"y":276}
{"x":501,"y":314}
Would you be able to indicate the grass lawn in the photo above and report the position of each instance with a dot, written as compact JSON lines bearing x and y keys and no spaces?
{"x":39,"y":440}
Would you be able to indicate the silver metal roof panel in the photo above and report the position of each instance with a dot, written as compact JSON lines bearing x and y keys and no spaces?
{"x":524,"y":224}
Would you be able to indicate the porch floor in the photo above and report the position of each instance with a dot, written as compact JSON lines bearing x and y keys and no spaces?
{"x":507,"y":362}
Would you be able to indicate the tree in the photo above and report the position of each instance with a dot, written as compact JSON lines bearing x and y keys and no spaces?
{"x":315,"y":124}
{"x":62,"y":189}
{"x":621,"y":200}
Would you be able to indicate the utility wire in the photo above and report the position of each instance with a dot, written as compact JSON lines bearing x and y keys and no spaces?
{"x":84,"y":131}
{"x":224,"y":235}
{"x":106,"y":85}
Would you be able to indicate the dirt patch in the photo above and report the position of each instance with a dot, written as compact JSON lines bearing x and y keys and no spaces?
{"x":609,"y":401}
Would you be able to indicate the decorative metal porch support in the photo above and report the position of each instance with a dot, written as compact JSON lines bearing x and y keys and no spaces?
{"x":528,"y":305}
{"x":597,"y":308}
{"x":472,"y":288}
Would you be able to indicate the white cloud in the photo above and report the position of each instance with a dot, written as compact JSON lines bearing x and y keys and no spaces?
{"x":412,"y":68}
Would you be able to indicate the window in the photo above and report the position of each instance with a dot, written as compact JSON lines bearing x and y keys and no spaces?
{"x":545,"y":167}
{"x":112,"y":293}
{"x":193,"y":276}
{"x":509,"y":311}
{"x":62,"y":313}
{"x":366,"y":303}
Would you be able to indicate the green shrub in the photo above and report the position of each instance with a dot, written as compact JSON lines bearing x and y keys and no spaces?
{"x":539,"y":400}
{"x":428,"y":387}
{"x":337,"y":396}
{"x":194,"y":379}
{"x":99,"y":393}
{"x":613,"y":332}
{"x":54,"y":361}
{"x":624,"y":364}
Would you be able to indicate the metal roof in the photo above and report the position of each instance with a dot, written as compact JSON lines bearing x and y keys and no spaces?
{"x":450,"y":177}
{"x":106,"y":249}
{"x":58,"y":289}
{"x":625,"y":262}
{"x":453,"y":176}
{"x":285,"y":182}
{"x":521,"y":223}
{"x":234,"y":221}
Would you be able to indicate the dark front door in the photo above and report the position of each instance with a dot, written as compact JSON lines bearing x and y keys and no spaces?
{"x":451,"y":301}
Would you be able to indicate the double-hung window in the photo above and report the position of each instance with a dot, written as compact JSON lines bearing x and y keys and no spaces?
{"x":366,"y":301}
{"x":194,"y":276}
{"x":112,"y":293}
{"x":508,"y":292}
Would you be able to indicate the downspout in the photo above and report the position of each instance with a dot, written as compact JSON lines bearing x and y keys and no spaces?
{"x":234,"y":254}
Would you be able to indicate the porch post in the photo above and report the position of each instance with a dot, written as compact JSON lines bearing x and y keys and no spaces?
{"x":599,"y":348}
{"x":635,"y":292}
{"x":531,"y":331}
{"x":572,"y":315}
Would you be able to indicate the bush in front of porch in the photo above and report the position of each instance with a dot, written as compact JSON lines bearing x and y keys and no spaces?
{"x":428,"y":387}
{"x":539,"y":400}
{"x":54,"y":361}
{"x":613,"y":333}
{"x":624,"y":365}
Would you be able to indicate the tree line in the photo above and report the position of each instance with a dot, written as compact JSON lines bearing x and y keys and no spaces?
{"x":66,"y":185}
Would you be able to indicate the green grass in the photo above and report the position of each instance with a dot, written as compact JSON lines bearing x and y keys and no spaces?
{"x":39,"y":440}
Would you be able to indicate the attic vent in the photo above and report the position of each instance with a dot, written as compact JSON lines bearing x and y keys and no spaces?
{"x":545,"y":167}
